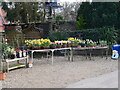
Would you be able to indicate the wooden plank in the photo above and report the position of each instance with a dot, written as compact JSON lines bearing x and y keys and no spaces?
{"x":16,"y":59}
{"x":16,"y":67}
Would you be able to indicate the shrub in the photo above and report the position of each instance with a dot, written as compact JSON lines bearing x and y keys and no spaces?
{"x":108,"y":34}
{"x":56,"y":35}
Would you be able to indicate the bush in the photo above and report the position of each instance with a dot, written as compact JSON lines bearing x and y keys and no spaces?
{"x":56,"y":35}
{"x":108,"y":34}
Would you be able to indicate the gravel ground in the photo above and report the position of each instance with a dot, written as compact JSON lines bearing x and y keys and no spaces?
{"x":59,"y":75}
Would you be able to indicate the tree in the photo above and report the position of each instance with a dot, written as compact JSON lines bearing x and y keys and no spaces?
{"x":99,"y":14}
{"x":69,"y":11}
{"x":23,"y":11}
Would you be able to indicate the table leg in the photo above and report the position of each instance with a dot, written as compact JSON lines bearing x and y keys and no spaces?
{"x":47,"y":54}
{"x":26,"y":62}
{"x":52,"y":56}
{"x":68,"y":54}
{"x":90,"y":54}
{"x":107,"y":53}
{"x":85,"y":51}
{"x":65,"y":53}
{"x":7,"y":66}
{"x":102,"y":53}
{"x":71,"y":54}
{"x":32,"y":56}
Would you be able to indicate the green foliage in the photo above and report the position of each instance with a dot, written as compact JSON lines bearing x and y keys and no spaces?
{"x":80,"y":22}
{"x":102,"y":42}
{"x":56,"y":35}
{"x":118,"y":38}
{"x":3,"y":48}
{"x":59,"y":17}
{"x":10,"y":50}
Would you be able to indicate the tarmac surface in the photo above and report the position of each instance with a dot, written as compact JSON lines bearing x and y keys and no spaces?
{"x":109,"y":80}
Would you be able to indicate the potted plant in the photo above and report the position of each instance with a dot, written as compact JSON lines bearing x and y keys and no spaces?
{"x":19,"y":54}
{"x":59,"y":44}
{"x":29,"y":44}
{"x":103,"y":43}
{"x":46,"y":43}
{"x":92,"y":44}
{"x":88,"y":42}
{"x":64,"y":44}
{"x":11,"y":52}
{"x":53,"y":45}
{"x":24,"y":53}
{"x":37,"y":45}
{"x":74,"y":42}
{"x":68,"y":44}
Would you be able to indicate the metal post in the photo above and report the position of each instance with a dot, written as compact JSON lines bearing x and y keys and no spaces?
{"x":32,"y":56}
{"x":71,"y":54}
{"x":52,"y":56}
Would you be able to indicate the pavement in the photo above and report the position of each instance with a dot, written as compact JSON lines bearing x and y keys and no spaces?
{"x":0,"y":85}
{"x":109,"y":80}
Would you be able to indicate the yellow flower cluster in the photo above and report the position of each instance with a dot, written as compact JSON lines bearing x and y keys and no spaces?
{"x":37,"y":42}
{"x":75,"y":39}
{"x":63,"y":41}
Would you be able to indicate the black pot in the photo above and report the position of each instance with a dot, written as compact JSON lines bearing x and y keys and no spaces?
{"x":11,"y":56}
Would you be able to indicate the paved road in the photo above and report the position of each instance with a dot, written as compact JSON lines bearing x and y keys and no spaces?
{"x":109,"y":80}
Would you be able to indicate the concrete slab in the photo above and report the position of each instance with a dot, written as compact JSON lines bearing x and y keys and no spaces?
{"x":109,"y":80}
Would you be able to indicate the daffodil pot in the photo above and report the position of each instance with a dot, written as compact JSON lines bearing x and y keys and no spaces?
{"x":64,"y":46}
{"x":58,"y":46}
{"x":36,"y":48}
{"x":52,"y":47}
{"x":12,"y":56}
{"x":68,"y":45}
{"x":47,"y":47}
{"x":2,"y":76}
{"x":74,"y":46}
{"x":31,"y":48}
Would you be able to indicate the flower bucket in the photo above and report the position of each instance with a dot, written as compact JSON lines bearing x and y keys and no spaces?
{"x":68,"y":45}
{"x":92,"y":46}
{"x":75,"y":46}
{"x":64,"y":46}
{"x":46,"y":47}
{"x":36,"y":48}
{"x":2,"y":76}
{"x":58,"y":46}
{"x":103,"y":45}
{"x":52,"y":47}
